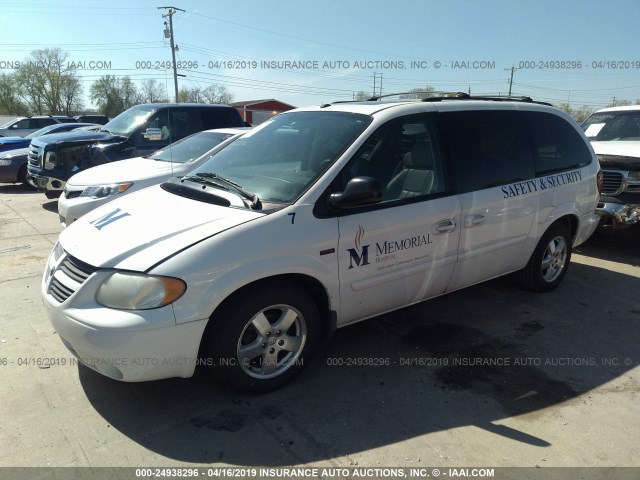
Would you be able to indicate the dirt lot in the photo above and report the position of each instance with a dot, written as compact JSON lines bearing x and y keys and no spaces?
{"x":488,"y":376}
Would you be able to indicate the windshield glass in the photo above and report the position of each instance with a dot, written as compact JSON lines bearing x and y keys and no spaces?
{"x":278,"y":161}
{"x":8,"y":124}
{"x":609,"y":126}
{"x":126,"y":123}
{"x":191,"y":147}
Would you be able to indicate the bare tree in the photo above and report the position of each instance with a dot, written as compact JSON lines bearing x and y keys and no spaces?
{"x":361,"y":96}
{"x":211,"y":94}
{"x":217,"y":94}
{"x":152,"y":91}
{"x":72,"y":95}
{"x":579,"y":114}
{"x":418,"y":93}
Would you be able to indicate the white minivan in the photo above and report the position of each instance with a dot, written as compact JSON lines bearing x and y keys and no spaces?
{"x":318,"y":218}
{"x":90,"y":188}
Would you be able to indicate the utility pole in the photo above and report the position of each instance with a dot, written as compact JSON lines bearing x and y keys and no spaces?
{"x":174,"y":47}
{"x":513,"y":70}
{"x":375,"y":76}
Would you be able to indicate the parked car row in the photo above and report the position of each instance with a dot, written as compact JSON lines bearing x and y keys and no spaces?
{"x":317,"y":218}
{"x":14,"y":150}
{"x":23,"y":126}
{"x":138,"y":131}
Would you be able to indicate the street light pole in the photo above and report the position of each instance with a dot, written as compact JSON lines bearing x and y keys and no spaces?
{"x":169,"y":14}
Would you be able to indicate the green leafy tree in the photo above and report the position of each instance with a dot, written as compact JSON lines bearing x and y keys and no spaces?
{"x":11,"y":102}
{"x":47,"y":83}
{"x":114,"y":95}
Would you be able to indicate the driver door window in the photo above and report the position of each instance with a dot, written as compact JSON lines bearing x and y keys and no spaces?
{"x":405,"y":159}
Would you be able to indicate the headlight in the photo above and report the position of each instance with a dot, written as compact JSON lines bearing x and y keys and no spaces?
{"x":138,"y":291}
{"x":50,"y":160}
{"x":5,"y":162}
{"x":101,"y":191}
{"x":634,"y":177}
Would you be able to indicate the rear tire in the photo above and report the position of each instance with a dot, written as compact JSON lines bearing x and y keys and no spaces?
{"x":261,"y":339}
{"x":549,"y":262}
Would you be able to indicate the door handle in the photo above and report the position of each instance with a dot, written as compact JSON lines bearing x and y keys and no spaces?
{"x":473,"y":220}
{"x":445,"y":226}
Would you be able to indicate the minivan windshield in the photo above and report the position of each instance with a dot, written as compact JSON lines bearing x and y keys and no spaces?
{"x":278,"y":161}
{"x":127,"y":122}
{"x":190,"y":148}
{"x":612,"y":126}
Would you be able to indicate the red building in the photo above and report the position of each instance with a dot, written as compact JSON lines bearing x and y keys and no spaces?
{"x":257,"y":111}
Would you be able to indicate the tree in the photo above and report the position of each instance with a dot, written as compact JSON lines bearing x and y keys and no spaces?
{"x":152,"y":91}
{"x":212,"y":94}
{"x":361,"y":96}
{"x":10,"y":101}
{"x":578,"y":114}
{"x":47,"y":83}
{"x":217,"y":94}
{"x":114,"y":95}
{"x":418,"y":93}
{"x":72,"y":96}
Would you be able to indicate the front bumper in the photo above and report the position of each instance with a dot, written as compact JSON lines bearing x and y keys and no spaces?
{"x":130,"y":346}
{"x":618,"y":214}
{"x":71,"y":209}
{"x":47,"y":184}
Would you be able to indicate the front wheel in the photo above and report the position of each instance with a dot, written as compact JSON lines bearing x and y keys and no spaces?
{"x":549,"y":262}
{"x":261,"y":339}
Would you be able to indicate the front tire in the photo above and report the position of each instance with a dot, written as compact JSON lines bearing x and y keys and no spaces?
{"x":550,"y":260}
{"x":260,"y":340}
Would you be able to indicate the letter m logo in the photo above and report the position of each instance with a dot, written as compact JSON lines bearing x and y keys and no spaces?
{"x":110,"y":217}
{"x":359,"y":260}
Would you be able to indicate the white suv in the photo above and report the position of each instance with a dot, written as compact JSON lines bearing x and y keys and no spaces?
{"x":318,"y":218}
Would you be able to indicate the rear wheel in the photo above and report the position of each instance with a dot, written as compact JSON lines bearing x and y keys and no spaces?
{"x":261,"y":339}
{"x":549,"y":262}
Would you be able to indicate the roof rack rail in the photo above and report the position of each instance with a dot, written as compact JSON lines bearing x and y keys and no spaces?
{"x":443,"y":96}
{"x":430,"y":93}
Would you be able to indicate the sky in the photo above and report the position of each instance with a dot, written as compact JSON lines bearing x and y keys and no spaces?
{"x":581,"y":53}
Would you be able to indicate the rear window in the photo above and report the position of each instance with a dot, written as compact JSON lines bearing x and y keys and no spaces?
{"x":557,"y":145}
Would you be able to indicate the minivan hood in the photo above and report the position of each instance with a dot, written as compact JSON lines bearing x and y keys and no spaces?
{"x":129,"y":170}
{"x":142,"y":229}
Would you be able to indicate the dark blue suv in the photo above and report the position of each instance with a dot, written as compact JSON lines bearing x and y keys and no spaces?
{"x":138,"y":131}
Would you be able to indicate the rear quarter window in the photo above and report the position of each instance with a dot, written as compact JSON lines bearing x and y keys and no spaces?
{"x":557,"y":146}
{"x":486,"y":148}
{"x":221,"y":118}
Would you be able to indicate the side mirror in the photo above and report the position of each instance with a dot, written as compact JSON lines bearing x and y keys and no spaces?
{"x":359,"y":191}
{"x":153,"y":134}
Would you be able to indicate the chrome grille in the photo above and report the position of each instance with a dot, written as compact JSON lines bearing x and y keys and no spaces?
{"x":74,"y":270}
{"x":33,"y":156}
{"x":612,"y":182}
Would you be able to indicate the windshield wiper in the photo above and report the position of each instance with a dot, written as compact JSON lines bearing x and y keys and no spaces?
{"x":224,"y":183}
